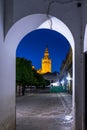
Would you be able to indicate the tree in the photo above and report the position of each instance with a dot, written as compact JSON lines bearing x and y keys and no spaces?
{"x":25,"y":75}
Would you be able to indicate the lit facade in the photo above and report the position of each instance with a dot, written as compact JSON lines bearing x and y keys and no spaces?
{"x":66,"y":72}
{"x":46,"y":63}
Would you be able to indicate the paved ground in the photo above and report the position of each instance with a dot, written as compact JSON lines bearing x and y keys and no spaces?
{"x":44,"y":112}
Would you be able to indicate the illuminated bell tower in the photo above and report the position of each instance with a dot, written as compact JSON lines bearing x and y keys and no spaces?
{"x":46,"y":62}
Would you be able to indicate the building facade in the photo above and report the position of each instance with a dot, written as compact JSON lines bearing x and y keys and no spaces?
{"x":66,"y":72}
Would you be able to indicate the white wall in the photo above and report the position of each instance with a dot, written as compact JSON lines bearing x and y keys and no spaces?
{"x":7,"y":97}
{"x":85,"y":40}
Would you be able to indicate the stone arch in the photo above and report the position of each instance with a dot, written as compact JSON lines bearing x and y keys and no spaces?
{"x":22,"y":28}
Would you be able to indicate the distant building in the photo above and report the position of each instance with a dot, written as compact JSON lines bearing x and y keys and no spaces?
{"x":46,"y":68}
{"x":46,"y":63}
{"x":52,"y":77}
{"x":66,"y":72}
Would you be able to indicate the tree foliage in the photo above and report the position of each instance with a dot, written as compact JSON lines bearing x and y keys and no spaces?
{"x":25,"y":75}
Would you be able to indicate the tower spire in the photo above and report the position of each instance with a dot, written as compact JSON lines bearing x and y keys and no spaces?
{"x":46,"y":63}
{"x":46,"y":54}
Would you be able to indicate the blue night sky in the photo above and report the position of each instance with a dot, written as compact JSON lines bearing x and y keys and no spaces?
{"x":33,"y":45}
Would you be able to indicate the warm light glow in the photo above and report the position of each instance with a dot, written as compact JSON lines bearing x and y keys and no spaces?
{"x":46,"y":63}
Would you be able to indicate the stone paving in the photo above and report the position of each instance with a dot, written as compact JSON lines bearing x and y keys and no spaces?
{"x":44,"y":112}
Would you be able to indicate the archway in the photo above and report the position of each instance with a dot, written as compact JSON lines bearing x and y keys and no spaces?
{"x":23,"y":27}
{"x":85,"y":74}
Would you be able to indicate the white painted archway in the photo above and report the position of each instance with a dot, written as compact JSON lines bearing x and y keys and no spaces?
{"x":85,"y":39}
{"x":22,"y":28}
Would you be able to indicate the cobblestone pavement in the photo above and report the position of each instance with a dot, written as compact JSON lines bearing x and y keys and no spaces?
{"x":44,"y":112}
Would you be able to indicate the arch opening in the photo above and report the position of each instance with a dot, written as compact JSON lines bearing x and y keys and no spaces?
{"x":32,"y":48}
{"x":33,"y":22}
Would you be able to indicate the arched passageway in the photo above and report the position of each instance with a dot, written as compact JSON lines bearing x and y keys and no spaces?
{"x":18,"y":31}
{"x":32,"y":48}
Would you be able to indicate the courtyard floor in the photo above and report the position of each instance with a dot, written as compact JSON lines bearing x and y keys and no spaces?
{"x":44,"y":111}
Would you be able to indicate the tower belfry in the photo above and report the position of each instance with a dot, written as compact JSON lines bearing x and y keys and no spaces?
{"x":46,"y":63}
{"x":46,"y":54}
